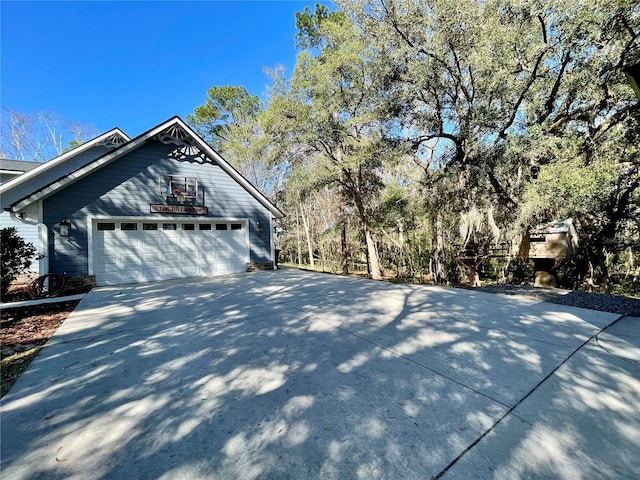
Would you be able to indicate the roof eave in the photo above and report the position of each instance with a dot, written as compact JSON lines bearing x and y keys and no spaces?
{"x":132,"y":145}
{"x":61,"y":159}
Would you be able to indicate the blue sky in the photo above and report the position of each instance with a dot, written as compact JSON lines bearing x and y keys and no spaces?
{"x":136,"y":64}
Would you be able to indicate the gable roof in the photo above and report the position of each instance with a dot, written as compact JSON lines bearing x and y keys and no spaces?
{"x":174,"y":130}
{"x":113,"y":137}
{"x":17,"y":166}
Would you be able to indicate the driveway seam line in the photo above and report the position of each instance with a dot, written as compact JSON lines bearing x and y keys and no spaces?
{"x":422,"y":365}
{"x":605,"y":349}
{"x":399,"y":355}
{"x":519,"y":402}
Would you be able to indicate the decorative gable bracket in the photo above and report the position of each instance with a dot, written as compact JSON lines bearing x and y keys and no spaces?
{"x":113,"y":141}
{"x":186,"y":146}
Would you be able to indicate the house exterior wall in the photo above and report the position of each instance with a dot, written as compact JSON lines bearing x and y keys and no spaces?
{"x":52,"y":174}
{"x":28,"y":231}
{"x":128,"y":186}
{"x":5,"y":177}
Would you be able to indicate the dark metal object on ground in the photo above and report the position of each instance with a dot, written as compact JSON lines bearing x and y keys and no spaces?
{"x":49,"y":285}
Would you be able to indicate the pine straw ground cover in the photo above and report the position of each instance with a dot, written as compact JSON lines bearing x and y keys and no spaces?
{"x":23,"y":332}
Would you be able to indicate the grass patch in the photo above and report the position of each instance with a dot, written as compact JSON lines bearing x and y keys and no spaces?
{"x":13,"y":366}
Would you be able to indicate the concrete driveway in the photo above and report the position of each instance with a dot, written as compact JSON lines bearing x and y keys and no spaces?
{"x":287,"y":374}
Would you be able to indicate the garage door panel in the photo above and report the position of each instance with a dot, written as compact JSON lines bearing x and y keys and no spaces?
{"x":129,"y":259}
{"x":207,"y":242}
{"x":190,"y":251}
{"x":208,"y":256}
{"x":189,"y":263}
{"x":151,"y":240}
{"x":221,"y":267}
{"x":171,"y":256}
{"x":151,"y":257}
{"x":191,"y":270}
{"x":188,"y":258}
{"x":139,"y":255}
{"x":171,"y":272}
{"x":235,"y":243}
{"x":110,"y":241}
{"x":168,"y":239}
{"x":204,"y":270}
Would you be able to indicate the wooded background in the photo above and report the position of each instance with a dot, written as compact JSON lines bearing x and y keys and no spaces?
{"x":413,"y":132}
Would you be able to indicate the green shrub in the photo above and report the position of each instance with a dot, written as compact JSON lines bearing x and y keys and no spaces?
{"x":16,"y":256}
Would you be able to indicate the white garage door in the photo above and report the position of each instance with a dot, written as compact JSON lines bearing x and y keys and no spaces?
{"x":150,"y":250}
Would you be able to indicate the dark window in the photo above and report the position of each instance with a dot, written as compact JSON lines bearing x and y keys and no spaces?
{"x":169,"y":226}
{"x":149,"y":226}
{"x":188,"y":226}
{"x":204,"y":226}
{"x":236,"y":226}
{"x":128,"y":226}
{"x":106,"y":226}
{"x":221,"y":226}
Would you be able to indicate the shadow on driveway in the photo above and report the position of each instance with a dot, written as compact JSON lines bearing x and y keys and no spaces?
{"x":292,"y":374}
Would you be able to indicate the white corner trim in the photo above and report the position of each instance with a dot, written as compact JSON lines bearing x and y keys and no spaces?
{"x":272,"y":241}
{"x":90,"y":253}
{"x":43,"y":241}
{"x":247,"y":241}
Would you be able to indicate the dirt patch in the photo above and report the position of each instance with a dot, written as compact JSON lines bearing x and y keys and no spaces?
{"x":23,"y":332}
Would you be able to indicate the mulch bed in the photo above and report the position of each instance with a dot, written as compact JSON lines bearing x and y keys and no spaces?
{"x":23,"y":331}
{"x":17,"y":291}
{"x":24,"y":328}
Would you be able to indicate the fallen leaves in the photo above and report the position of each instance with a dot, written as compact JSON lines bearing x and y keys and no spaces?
{"x":58,"y":459}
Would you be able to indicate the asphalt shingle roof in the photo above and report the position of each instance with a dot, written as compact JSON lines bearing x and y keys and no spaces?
{"x":18,"y":165}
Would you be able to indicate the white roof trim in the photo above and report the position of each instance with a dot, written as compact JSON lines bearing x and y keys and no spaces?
{"x":132,"y":145}
{"x":61,"y":159}
{"x":12,"y":172}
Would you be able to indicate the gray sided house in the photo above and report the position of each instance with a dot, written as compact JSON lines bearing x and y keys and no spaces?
{"x":9,"y":170}
{"x":160,"y":206}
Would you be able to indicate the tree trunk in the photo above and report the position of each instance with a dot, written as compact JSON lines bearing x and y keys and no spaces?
{"x":440,"y":268}
{"x":305,"y":223}
{"x":464,"y":179}
{"x":343,"y":249}
{"x":344,"y":252}
{"x":373,"y":261}
{"x":299,"y":241}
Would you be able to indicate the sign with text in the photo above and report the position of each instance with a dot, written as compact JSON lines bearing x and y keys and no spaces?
{"x":186,"y":209}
